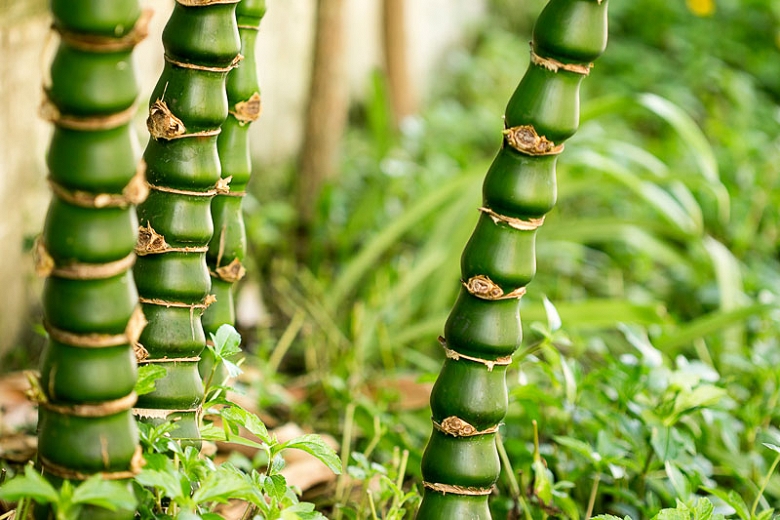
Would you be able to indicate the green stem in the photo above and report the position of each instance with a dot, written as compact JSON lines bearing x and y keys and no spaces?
{"x":592,"y":499}
{"x":763,"y":486}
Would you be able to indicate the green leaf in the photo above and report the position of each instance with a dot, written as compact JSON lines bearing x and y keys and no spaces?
{"x":221,"y":485}
{"x":672,"y":514}
{"x":766,"y":514}
{"x":314,"y":445}
{"x":733,"y":499}
{"x":148,"y":374}
{"x":677,"y":479}
{"x":610,"y":517}
{"x":553,"y":319}
{"x":227,"y":341}
{"x":107,"y":494}
{"x":238,"y":416}
{"x":543,"y":487}
{"x":31,"y":485}
{"x":165,"y":481}
{"x":700,"y":397}
{"x":275,"y":487}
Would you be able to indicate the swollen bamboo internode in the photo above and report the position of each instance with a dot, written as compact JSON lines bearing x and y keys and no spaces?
{"x":461,"y":465}
{"x":227,"y":248}
{"x":187,"y":109}
{"x":90,"y":300}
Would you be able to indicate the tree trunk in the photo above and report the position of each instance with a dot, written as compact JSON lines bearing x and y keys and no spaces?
{"x":327,"y":111}
{"x":402,"y":94}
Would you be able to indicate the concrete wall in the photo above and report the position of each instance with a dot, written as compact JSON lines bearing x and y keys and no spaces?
{"x":284,"y":55}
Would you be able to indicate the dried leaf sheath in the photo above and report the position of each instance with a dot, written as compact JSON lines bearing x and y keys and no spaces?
{"x":86,"y":250}
{"x":187,"y":109}
{"x":469,"y":400}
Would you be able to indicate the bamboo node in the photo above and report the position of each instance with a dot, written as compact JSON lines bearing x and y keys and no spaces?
{"x":45,"y":266}
{"x":458,"y":490}
{"x":204,"y":3}
{"x":89,"y":340}
{"x":136,"y":463}
{"x":205,"y":68}
{"x":249,"y":110}
{"x":525,"y":139}
{"x":193,"y":359}
{"x":162,"y":124}
{"x":100,"y":43}
{"x":554,"y":65}
{"x":135,"y":326}
{"x":489,"y":363}
{"x":103,"y":409}
{"x":48,"y":111}
{"x":516,"y":223}
{"x":158,"y":413}
{"x":231,"y":273}
{"x":484,"y":288}
{"x":150,"y":242}
{"x":203,"y":304}
{"x":457,"y":427}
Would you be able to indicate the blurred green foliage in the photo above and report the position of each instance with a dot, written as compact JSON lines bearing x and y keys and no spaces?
{"x":652,"y":373}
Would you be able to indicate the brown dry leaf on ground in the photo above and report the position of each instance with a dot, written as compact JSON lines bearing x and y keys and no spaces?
{"x":18,"y":417}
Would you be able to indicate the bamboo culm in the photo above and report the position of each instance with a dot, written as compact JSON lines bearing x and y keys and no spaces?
{"x":460,"y":464}
{"x":187,"y":108}
{"x":227,"y":248}
{"x":90,"y":301}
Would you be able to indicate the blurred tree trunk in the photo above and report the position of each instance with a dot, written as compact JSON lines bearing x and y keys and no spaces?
{"x":326,"y":114}
{"x":402,"y":95}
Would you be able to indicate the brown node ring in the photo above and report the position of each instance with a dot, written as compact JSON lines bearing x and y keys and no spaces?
{"x":484,"y":288}
{"x":136,"y":463}
{"x":458,"y":490}
{"x":157,"y":413}
{"x":525,"y":139}
{"x":554,"y":65}
{"x":133,"y":194}
{"x":99,"y":43}
{"x":205,"y":68}
{"x":203,"y":305}
{"x":150,"y":242}
{"x":489,"y":363}
{"x":204,"y":3}
{"x":147,"y":361}
{"x":457,"y":427}
{"x":103,"y":409}
{"x":516,"y":223}
{"x":46,"y":266}
{"x":49,"y":112}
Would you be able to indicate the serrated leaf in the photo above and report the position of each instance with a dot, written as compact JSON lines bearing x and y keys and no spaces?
{"x":31,"y":485}
{"x":765,"y":514}
{"x":221,"y":485}
{"x":610,"y":517}
{"x":275,"y":486}
{"x":147,"y":376}
{"x":672,"y":514}
{"x":314,"y":445}
{"x":238,"y":416}
{"x":733,"y":499}
{"x":107,"y":494}
{"x":701,"y":396}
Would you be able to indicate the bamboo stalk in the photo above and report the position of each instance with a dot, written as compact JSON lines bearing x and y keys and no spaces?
{"x":90,"y":300}
{"x":227,"y":248}
{"x":186,"y":111}
{"x":461,"y":465}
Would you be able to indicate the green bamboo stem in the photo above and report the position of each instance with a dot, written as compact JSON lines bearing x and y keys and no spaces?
{"x":461,"y":465}
{"x":227,"y":248}
{"x":187,"y":109}
{"x":90,"y":302}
